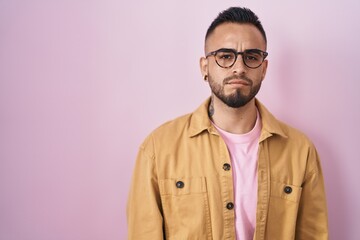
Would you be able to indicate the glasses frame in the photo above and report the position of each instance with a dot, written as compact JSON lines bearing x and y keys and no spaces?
{"x":231,"y":50}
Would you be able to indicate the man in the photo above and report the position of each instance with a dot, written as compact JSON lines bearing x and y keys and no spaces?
{"x":229,"y":170}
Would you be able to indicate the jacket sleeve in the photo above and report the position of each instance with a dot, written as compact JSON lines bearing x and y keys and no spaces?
{"x":312,"y":221}
{"x":144,"y":214}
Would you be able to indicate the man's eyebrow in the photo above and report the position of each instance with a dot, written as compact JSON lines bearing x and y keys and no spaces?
{"x":253,"y":49}
{"x":234,"y":50}
{"x":227,"y":49}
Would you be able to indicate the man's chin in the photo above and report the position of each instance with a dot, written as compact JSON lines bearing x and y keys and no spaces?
{"x":236,"y":103}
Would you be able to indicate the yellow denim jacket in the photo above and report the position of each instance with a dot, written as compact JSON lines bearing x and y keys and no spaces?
{"x":182,"y":187}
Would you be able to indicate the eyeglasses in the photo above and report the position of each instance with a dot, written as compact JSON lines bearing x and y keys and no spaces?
{"x":226,"y":57}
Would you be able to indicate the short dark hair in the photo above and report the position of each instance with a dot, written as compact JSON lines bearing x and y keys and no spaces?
{"x":236,"y":15}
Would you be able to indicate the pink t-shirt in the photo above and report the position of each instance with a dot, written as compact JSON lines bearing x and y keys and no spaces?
{"x":243,"y":150}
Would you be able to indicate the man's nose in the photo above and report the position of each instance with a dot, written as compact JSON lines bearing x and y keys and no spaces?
{"x":239,"y":67}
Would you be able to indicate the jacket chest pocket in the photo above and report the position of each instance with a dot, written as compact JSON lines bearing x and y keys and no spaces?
{"x":283,"y":210}
{"x":185,"y":208}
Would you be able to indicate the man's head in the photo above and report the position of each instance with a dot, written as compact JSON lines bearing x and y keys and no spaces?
{"x":236,"y":15}
{"x":234,"y":62}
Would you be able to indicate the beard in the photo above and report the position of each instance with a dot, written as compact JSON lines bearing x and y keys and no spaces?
{"x":238,"y":98}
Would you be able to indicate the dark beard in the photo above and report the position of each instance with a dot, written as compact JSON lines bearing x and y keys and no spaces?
{"x":237,"y":99}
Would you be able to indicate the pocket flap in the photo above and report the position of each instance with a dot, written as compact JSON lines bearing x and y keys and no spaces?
{"x":180,"y":186}
{"x":286,"y":191}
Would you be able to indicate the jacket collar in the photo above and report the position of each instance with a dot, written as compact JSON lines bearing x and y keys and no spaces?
{"x":200,"y":122}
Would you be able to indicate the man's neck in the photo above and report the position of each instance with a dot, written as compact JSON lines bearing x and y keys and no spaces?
{"x":233,"y":120}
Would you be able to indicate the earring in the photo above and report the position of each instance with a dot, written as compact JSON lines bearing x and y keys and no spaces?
{"x":205,"y":77}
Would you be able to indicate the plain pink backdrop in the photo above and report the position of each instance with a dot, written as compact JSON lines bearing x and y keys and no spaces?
{"x":83,"y":82}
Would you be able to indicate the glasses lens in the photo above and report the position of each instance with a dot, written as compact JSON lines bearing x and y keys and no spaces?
{"x":225,"y":58}
{"x":253,"y":58}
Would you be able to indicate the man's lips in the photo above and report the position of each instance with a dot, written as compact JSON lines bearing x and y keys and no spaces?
{"x":237,"y":81}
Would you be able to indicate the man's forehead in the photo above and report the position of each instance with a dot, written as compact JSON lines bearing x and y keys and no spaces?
{"x":231,"y":33}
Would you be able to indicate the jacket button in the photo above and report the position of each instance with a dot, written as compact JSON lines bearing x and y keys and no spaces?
{"x":226,"y":167}
{"x":230,"y":205}
{"x":287,"y":190}
{"x":180,"y":184}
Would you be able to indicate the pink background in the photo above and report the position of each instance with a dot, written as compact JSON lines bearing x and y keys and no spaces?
{"x":83,"y":82}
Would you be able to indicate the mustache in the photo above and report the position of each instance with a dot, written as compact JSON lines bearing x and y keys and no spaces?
{"x":243,"y":78}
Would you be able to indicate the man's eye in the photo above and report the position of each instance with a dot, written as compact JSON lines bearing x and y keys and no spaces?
{"x":252,"y":58}
{"x":226,"y":56}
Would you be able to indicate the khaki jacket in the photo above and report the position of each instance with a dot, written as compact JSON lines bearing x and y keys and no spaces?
{"x":182,"y":187}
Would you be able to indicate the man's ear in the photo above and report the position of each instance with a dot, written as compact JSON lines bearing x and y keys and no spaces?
{"x":204,"y":67}
{"x":264,"y":69}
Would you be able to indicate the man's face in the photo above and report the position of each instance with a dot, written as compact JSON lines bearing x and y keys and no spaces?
{"x":238,"y":84}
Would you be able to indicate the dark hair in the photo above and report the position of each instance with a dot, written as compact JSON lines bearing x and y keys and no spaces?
{"x":236,"y":15}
